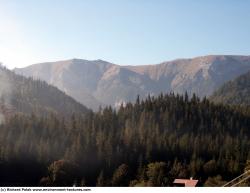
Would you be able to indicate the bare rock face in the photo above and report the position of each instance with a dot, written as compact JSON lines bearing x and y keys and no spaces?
{"x":95,"y":83}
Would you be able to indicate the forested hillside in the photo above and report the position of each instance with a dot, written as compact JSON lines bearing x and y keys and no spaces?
{"x":235,"y":92}
{"x":149,"y":143}
{"x":20,"y":94}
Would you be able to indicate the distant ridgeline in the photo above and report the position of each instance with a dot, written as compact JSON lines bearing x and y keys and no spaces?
{"x":148,"y":143}
{"x":96,"y":82}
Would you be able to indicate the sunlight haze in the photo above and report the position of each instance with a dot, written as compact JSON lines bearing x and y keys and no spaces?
{"x":123,"y":32}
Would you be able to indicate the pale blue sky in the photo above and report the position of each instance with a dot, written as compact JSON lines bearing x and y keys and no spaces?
{"x":126,"y":32}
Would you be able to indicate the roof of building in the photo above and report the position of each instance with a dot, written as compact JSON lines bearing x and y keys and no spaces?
{"x":186,"y":182}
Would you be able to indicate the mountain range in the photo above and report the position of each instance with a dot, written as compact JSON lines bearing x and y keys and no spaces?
{"x":97,"y":82}
{"x":44,"y":133}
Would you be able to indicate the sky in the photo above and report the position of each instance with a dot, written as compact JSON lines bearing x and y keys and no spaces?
{"x":125,"y":32}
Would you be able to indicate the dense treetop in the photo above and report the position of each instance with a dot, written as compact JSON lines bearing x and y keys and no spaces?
{"x":148,"y":143}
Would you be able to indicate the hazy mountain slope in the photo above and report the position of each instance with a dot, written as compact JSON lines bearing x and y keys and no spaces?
{"x":98,"y":82}
{"x":200,"y":75}
{"x":25,"y":95}
{"x":236,"y":91}
{"x":77,"y":78}
{"x":119,"y":84}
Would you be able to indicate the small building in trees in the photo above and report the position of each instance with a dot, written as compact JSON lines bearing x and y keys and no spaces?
{"x":186,"y":182}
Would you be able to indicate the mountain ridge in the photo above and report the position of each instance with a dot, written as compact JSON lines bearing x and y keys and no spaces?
{"x":98,"y":82}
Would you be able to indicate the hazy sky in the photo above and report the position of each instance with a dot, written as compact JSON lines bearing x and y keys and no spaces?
{"x":121,"y":31}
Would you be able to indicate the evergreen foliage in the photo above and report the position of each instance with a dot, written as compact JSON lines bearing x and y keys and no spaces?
{"x":149,"y":143}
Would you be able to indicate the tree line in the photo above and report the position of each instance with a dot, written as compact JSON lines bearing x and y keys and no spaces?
{"x":147,"y":143}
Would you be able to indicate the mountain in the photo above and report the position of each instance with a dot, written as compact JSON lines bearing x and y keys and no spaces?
{"x":77,"y":78}
{"x":21,"y":94}
{"x":236,"y":91}
{"x":98,"y":82}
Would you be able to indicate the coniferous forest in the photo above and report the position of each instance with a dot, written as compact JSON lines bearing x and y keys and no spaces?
{"x":148,"y":143}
